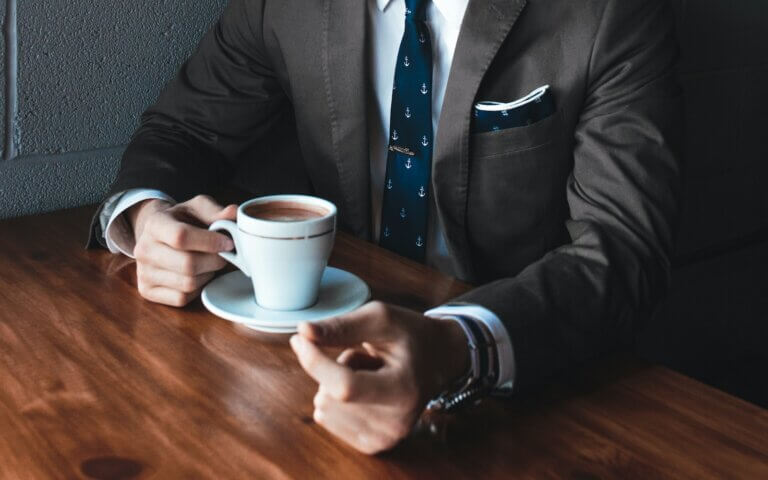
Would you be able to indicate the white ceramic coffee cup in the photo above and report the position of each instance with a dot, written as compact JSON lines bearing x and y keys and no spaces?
{"x":285,"y":259}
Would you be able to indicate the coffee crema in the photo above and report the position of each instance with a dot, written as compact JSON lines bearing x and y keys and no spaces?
{"x":280,"y":211}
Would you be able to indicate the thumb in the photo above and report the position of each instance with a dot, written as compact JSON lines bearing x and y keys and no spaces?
{"x":227,"y":213}
{"x":369,"y":323}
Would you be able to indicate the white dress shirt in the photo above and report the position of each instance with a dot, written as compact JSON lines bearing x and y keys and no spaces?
{"x":387,"y":19}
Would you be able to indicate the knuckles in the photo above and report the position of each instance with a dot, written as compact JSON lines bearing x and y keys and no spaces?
{"x":188,"y":284}
{"x":374,"y":445}
{"x":140,"y":250}
{"x":200,"y":199}
{"x":178,"y":296}
{"x":176,"y":299}
{"x":143,"y":288}
{"x":179,"y":299}
{"x":320,"y":401}
{"x":381,"y":312}
{"x":151,"y":224}
{"x":177,"y":236}
{"x":344,"y":392}
{"x":318,"y":416}
{"x":187,"y":265}
{"x":379,"y":309}
{"x":345,"y":389}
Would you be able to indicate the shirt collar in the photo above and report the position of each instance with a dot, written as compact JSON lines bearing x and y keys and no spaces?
{"x":451,"y":10}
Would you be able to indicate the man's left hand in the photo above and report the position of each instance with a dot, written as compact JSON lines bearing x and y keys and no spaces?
{"x":395,"y":360}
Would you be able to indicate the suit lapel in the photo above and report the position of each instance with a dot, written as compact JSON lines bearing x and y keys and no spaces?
{"x":345,"y":71}
{"x":486,"y":24}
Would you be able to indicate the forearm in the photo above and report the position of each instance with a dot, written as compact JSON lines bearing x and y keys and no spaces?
{"x":574,"y":304}
{"x":223,"y":99}
{"x":159,"y":159}
{"x":591,"y":294}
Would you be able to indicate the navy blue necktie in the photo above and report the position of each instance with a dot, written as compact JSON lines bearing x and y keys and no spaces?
{"x":405,"y":204}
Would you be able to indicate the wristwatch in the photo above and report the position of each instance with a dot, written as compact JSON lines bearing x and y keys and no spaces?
{"x":482,"y":374}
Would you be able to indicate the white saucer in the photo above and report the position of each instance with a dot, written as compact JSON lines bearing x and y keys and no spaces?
{"x":230,"y":296}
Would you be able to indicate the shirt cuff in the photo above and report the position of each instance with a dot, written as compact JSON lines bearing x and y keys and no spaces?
{"x":118,"y":233}
{"x":507,"y":366}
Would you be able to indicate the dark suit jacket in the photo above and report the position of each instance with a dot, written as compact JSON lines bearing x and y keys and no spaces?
{"x":565,"y":224}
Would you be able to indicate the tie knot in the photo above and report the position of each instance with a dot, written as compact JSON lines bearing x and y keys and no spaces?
{"x":416,"y":9}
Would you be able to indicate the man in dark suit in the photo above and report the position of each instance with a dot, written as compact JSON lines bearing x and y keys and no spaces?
{"x":564,"y":220}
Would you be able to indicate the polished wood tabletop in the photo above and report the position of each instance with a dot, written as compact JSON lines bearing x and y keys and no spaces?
{"x":97,"y":383}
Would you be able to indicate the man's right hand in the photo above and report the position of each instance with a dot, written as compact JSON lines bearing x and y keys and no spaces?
{"x":176,"y":254}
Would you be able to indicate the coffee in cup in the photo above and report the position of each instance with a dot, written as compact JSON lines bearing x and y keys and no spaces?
{"x":283,"y":243}
{"x":285,"y":211}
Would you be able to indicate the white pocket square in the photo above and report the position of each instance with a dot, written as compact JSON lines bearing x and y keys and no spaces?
{"x":534,"y":96}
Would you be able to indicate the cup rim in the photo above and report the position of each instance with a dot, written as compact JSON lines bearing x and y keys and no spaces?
{"x":301,"y":229}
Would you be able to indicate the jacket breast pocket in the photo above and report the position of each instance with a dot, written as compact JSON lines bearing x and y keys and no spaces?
{"x":516,"y":205}
{"x":511,"y":140}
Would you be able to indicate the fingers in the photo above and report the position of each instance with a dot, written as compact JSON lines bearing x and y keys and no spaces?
{"x":341,"y":382}
{"x":348,"y":426}
{"x":206,"y":210}
{"x":166,"y":296}
{"x":156,"y":277}
{"x":175,"y":257}
{"x":172,"y":277}
{"x":370,"y":323}
{"x":365,"y":429}
{"x":183,"y":236}
{"x":164,"y":257}
{"x":169,"y":288}
{"x":372,"y":394}
{"x":357,"y":360}
{"x":321,"y":368}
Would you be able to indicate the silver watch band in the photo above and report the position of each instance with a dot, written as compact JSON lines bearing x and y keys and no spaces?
{"x":483,"y":372}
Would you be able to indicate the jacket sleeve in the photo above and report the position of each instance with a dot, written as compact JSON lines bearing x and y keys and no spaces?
{"x":591,"y":294}
{"x":223,"y":99}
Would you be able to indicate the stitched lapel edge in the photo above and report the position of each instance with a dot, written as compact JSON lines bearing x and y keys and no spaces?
{"x":485,"y":27}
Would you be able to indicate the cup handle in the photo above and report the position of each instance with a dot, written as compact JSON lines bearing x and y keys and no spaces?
{"x":235,"y":258}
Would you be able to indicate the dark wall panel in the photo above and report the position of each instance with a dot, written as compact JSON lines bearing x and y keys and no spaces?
{"x":724,"y":73}
{"x":714,"y":325}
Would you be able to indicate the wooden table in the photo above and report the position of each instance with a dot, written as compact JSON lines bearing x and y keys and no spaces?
{"x":97,"y":383}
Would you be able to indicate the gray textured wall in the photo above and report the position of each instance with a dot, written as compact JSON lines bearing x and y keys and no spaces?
{"x":86,"y":71}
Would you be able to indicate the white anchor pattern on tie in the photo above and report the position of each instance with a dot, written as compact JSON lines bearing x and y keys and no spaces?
{"x":409,"y":157}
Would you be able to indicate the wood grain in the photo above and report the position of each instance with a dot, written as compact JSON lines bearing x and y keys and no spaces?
{"x":97,"y":383}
